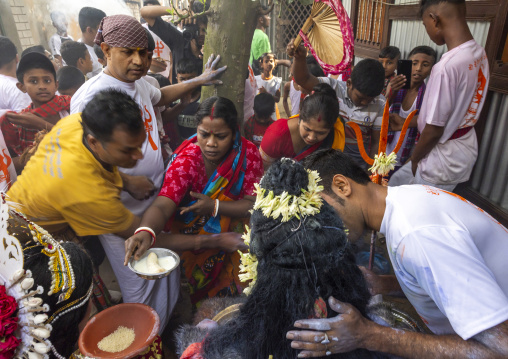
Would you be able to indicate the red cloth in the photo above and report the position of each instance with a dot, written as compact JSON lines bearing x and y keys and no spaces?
{"x":277,"y":141}
{"x":193,"y":351}
{"x":18,"y":138}
{"x":188,"y":172}
{"x":121,"y":31}
{"x":254,"y":131}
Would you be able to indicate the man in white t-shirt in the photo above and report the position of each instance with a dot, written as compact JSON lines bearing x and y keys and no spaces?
{"x":447,"y":149}
{"x":11,"y":98}
{"x":55,"y":42}
{"x":449,"y":259}
{"x":89,"y":19}
{"x":125,"y":45}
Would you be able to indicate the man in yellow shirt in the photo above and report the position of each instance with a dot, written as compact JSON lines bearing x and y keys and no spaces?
{"x":72,"y":183}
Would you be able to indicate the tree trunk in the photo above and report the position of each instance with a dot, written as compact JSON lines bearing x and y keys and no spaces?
{"x":230,"y":29}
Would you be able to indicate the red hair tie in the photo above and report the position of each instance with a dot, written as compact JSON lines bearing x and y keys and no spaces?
{"x":211,"y":114}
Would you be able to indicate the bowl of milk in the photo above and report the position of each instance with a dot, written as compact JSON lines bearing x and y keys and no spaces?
{"x":155,"y":263}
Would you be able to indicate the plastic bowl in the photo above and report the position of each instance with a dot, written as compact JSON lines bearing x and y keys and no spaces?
{"x":140,"y":317}
{"x":161,"y":252}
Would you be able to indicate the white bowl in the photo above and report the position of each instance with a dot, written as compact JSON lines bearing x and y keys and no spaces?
{"x":161,"y":252}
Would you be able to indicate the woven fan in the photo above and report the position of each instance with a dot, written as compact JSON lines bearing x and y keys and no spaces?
{"x":328,"y":34}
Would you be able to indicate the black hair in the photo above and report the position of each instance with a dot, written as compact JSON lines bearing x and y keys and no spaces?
{"x":37,"y":48}
{"x":427,"y":50}
{"x":368,"y":77}
{"x":65,"y":332}
{"x":389,"y":52}
{"x":151,"y":41}
{"x":222,"y":108}
{"x":313,"y":66}
{"x":72,"y":51}
{"x":425,"y":4}
{"x":330,"y":162}
{"x":264,"y":105}
{"x":108,"y":110}
{"x":322,"y":102}
{"x":299,"y":262}
{"x":90,"y":17}
{"x":34,"y":60}
{"x":8,"y":51}
{"x":69,"y":77}
{"x":161,"y":79}
{"x":151,"y":2}
{"x":187,"y":66}
{"x":98,"y":51}
{"x":261,"y":58}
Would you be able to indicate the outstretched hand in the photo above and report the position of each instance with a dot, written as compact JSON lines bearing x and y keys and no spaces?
{"x":204,"y":205}
{"x":136,"y":246}
{"x":298,"y":52}
{"x":208,"y":77}
{"x":345,"y":332}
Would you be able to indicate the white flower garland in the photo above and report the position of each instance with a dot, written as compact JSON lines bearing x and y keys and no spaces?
{"x":383,"y":164}
{"x":248,"y":264}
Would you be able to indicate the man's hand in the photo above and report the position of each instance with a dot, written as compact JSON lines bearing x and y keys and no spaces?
{"x":139,"y":187}
{"x":395,"y":85}
{"x":204,"y":205}
{"x":299,"y":52}
{"x":208,"y":76}
{"x":345,"y":332}
{"x":229,"y":242}
{"x":414,"y":166}
{"x":28,"y":120}
{"x":137,"y":245}
{"x":396,"y":122}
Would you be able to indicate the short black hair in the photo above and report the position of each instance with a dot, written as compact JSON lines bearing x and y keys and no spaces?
{"x":90,"y":16}
{"x":151,"y":2}
{"x":187,"y":66}
{"x":151,"y":41}
{"x":424,"y":4}
{"x":37,"y":48}
{"x":8,"y":51}
{"x":222,"y":108}
{"x":108,"y":110}
{"x":161,"y":79}
{"x":72,"y":51}
{"x":389,"y":52}
{"x":314,"y":67}
{"x":427,"y":50}
{"x":264,"y":105}
{"x":368,"y":77}
{"x":69,"y":77}
{"x":98,"y":51}
{"x":330,"y":162}
{"x":34,"y":60}
{"x":322,"y":102}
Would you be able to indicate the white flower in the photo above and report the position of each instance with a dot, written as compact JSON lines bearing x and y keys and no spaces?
{"x":383,"y":164}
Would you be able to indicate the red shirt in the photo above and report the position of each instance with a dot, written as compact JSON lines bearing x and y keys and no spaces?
{"x":254,"y":131}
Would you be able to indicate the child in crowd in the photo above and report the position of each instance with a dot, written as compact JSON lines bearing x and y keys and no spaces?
{"x":55,"y":42}
{"x":76,"y":54}
{"x":89,"y":19}
{"x":37,"y":77}
{"x":11,"y":98}
{"x":406,"y":101}
{"x":389,"y":57}
{"x":100,"y":55}
{"x":268,"y":83}
{"x":69,"y":80}
{"x":185,"y":110}
{"x":447,"y":148}
{"x":257,"y":124}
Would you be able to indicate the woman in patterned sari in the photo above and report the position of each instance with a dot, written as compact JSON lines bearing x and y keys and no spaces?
{"x":208,"y":188}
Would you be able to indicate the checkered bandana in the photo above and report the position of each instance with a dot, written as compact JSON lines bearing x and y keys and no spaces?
{"x":121,"y":31}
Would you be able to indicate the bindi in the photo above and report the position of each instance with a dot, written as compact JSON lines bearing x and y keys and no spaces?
{"x":319,"y":118}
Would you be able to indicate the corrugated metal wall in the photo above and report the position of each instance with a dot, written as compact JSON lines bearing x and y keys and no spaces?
{"x":406,"y":34}
{"x":490,"y":176}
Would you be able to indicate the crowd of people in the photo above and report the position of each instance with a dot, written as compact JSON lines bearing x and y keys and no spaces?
{"x":107,"y":143}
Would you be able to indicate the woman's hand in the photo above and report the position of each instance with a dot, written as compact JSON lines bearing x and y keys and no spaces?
{"x":137,"y":245}
{"x":204,"y":205}
{"x":228,"y":241}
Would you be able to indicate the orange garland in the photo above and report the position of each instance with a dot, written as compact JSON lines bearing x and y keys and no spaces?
{"x":359,"y":138}
{"x":383,"y":136}
{"x":403,"y":131}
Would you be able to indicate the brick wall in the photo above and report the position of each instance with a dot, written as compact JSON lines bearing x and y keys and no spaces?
{"x":19,"y":13}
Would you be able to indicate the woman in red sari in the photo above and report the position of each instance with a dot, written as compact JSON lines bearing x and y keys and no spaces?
{"x":317,"y":126}
{"x":208,"y":189}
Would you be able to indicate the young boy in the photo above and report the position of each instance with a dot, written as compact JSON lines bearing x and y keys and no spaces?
{"x":76,"y":54}
{"x":256,"y":125}
{"x":406,"y":101}
{"x":100,"y":55}
{"x":389,"y":57}
{"x":359,"y":97}
{"x":447,"y":149}
{"x":69,"y":80}
{"x":55,"y":42}
{"x":266,"y":82}
{"x":89,"y":19}
{"x":37,"y":78}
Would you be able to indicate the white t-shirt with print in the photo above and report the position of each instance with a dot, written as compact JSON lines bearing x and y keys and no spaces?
{"x":454,"y":98}
{"x":271,"y":87}
{"x":12,"y":98}
{"x":7,"y":171}
{"x":146,"y":96}
{"x":161,"y":50}
{"x":449,"y":257}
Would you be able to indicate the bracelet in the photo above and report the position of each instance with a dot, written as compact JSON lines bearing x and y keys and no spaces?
{"x":149,"y":230}
{"x":216,"y":208}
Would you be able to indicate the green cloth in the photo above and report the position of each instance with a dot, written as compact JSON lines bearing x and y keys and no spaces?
{"x":260,"y":45}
